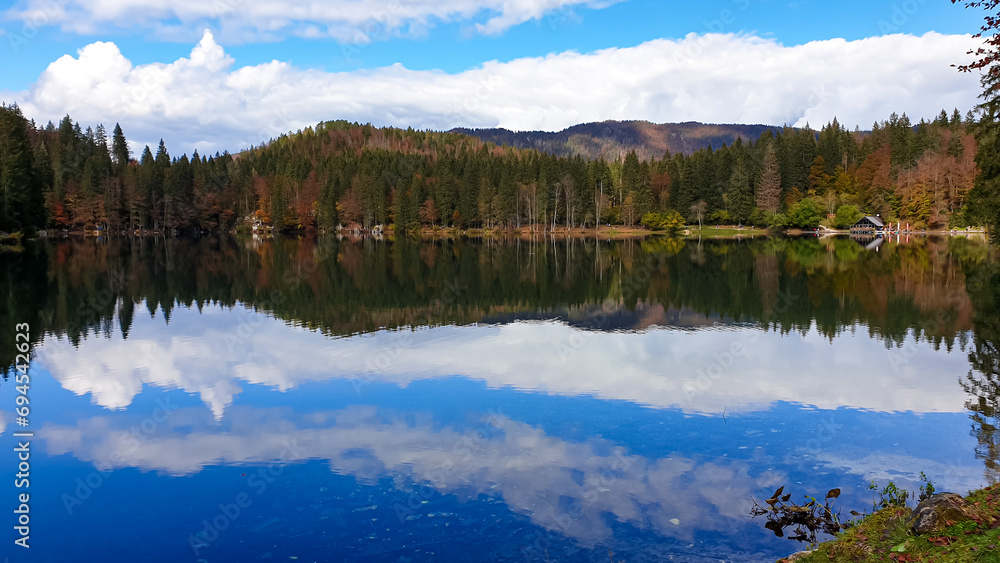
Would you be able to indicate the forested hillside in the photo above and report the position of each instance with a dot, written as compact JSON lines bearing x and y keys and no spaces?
{"x":338,"y":173}
{"x":613,"y":140}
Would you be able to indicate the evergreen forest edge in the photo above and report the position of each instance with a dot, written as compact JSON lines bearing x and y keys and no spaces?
{"x":359,"y":176}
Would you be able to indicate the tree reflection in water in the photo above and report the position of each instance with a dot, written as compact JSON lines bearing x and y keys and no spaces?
{"x":983,"y":381}
{"x":919,"y":290}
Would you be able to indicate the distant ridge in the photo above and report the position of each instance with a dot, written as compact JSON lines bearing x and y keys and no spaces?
{"x":613,"y":139}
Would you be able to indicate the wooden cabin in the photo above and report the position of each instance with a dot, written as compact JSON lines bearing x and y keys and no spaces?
{"x":868,"y":225}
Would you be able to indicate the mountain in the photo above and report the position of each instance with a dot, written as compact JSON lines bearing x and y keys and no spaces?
{"x":611,"y":140}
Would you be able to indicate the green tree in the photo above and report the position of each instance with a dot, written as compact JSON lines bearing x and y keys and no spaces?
{"x":847,"y":215}
{"x":819,"y":180}
{"x":120,"y":152}
{"x":769,"y":186}
{"x":21,"y":207}
{"x":805,"y":214}
{"x":740,"y":200}
{"x":984,"y":198}
{"x":635,"y":181}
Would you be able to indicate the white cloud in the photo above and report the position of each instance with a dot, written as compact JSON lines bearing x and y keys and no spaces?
{"x":902,"y":469}
{"x":205,"y":101}
{"x":348,"y":21}
{"x":213,"y":355}
{"x":532,"y":472}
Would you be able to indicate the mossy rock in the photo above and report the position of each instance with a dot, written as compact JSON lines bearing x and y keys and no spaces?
{"x":938,"y":512}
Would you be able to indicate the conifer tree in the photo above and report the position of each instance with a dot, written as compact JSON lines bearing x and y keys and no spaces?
{"x":769,"y":186}
{"x":20,"y":196}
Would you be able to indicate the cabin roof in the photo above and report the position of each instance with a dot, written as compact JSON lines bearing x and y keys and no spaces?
{"x":874,"y":220}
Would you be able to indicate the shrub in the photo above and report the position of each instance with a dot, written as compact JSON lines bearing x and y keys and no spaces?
{"x":805,"y":214}
{"x":720,"y":217}
{"x":760,"y":218}
{"x":847,"y":215}
{"x":670,"y":221}
{"x":778,"y":222}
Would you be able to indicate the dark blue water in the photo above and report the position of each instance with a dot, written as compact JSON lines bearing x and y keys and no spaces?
{"x":232,"y":435}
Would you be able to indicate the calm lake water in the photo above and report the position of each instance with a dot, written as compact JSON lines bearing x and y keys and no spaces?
{"x":324,"y":400}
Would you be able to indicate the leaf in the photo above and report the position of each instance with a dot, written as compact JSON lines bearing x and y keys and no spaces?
{"x":834,"y":493}
{"x":941,"y":541}
{"x":778,"y":492}
{"x":786,"y":497}
{"x":899,"y":548}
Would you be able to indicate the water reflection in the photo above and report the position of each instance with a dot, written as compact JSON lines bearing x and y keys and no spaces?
{"x":628,"y":396}
{"x":73,"y":287}
{"x":565,"y":486}
{"x":983,"y":380}
{"x":706,"y":371}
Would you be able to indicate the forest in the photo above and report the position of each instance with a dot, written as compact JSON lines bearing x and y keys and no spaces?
{"x":340,"y":174}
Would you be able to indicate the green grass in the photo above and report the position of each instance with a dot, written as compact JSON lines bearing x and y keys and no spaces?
{"x":884,"y":536}
{"x":712,"y":232}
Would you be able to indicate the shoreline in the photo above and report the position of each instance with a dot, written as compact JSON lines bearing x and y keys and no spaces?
{"x":619,"y":232}
{"x":607,"y":232}
{"x":968,"y":528}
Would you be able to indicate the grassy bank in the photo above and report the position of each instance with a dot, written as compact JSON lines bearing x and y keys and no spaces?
{"x":886,"y":536}
{"x":603,"y":232}
{"x":724,"y":232}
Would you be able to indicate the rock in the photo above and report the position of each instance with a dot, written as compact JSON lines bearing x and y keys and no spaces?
{"x":933,"y":514}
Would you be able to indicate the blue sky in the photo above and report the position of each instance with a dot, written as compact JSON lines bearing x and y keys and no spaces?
{"x":426,"y":51}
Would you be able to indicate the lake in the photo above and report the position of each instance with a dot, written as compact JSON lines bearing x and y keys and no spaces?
{"x":319,"y":399}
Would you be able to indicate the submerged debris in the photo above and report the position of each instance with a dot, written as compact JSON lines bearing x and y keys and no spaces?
{"x":807,"y":519}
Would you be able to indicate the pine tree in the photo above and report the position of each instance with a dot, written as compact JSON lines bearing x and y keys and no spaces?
{"x":819,"y":180}
{"x":769,"y":186}
{"x":984,"y":198}
{"x":740,"y":192}
{"x":21,"y":206}
{"x":43,"y":172}
{"x":147,"y":191}
{"x":636,"y":183}
{"x":119,"y":149}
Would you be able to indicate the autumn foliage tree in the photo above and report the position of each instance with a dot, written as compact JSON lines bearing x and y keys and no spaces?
{"x":985,"y":195}
{"x":340,"y":173}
